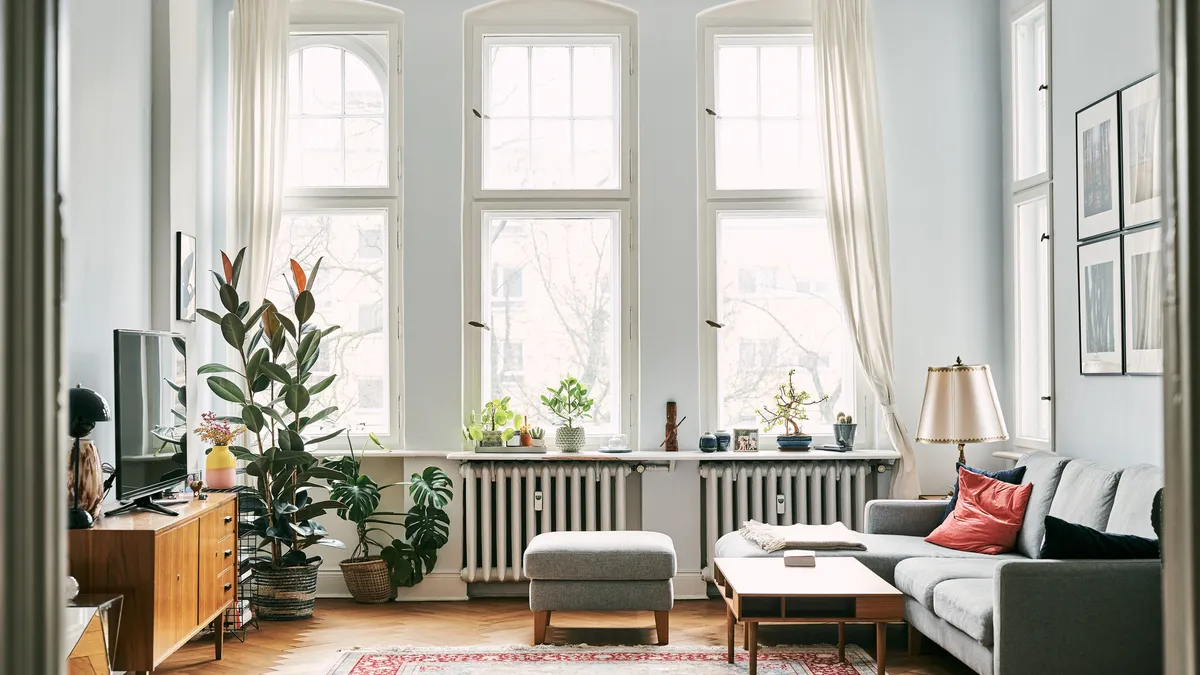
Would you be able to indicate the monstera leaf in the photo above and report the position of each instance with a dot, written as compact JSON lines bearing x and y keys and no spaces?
{"x":407,"y":564}
{"x":431,"y":487}
{"x":427,"y":527}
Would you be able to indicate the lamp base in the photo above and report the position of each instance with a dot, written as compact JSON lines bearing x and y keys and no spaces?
{"x":962,"y":455}
{"x":79,"y":519}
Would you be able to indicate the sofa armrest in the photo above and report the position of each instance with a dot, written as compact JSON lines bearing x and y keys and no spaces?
{"x":913,"y":517}
{"x":1078,"y":616}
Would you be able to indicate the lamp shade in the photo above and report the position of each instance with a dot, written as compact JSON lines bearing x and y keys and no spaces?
{"x":85,"y":408}
{"x":961,"y":406}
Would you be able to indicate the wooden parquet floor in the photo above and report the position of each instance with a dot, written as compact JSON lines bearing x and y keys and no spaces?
{"x":310,"y":647}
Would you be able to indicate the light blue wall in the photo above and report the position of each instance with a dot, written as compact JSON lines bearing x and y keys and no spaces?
{"x":106,"y":160}
{"x":1097,"y":47}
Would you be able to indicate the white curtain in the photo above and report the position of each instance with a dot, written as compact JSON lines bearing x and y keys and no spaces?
{"x":852,"y":142}
{"x":258,"y":70}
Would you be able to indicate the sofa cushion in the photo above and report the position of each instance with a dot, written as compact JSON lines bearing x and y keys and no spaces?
{"x":918,"y":577}
{"x":884,"y":551}
{"x":1131,"y":505}
{"x":967,"y":604}
{"x":988,"y":516}
{"x":1071,"y":541}
{"x":1085,"y":493}
{"x":600,"y":556}
{"x":1043,"y":471}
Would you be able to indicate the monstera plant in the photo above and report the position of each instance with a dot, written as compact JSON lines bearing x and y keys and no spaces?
{"x":272,"y":390}
{"x":397,"y":562}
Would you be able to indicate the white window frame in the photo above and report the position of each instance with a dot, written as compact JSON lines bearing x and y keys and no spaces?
{"x":710,"y":32}
{"x":1043,"y":191}
{"x":389,"y":198}
{"x":1023,"y":191}
{"x":526,"y":31}
{"x":1021,"y":184}
{"x":582,"y":18}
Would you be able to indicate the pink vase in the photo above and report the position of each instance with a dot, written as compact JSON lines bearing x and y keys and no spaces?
{"x":220,"y":468}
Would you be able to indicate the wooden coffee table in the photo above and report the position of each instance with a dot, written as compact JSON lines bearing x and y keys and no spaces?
{"x":837,"y":590}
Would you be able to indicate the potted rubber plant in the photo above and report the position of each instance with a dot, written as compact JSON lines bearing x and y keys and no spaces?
{"x":272,"y":388}
{"x":495,"y":426}
{"x":380,"y":562}
{"x":790,"y":412}
{"x":569,"y":403}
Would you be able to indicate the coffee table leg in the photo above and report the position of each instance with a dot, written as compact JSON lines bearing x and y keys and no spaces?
{"x":880,"y":648}
{"x":841,"y":642}
{"x":752,"y":638}
{"x":730,"y":622}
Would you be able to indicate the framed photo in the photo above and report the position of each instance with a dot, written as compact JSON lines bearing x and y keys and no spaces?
{"x":1097,"y":169}
{"x":1100,"y":326}
{"x":745,"y":440}
{"x":185,"y":277}
{"x":1141,"y":158}
{"x":1143,"y":302}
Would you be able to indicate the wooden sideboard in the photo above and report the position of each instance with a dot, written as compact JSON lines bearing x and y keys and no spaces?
{"x":178,"y":575}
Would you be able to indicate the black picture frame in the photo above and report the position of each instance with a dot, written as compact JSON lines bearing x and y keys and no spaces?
{"x":185,"y":277}
{"x":1102,"y":367}
{"x":1141,"y":363}
{"x":1115,"y":188}
{"x":1134,"y":214}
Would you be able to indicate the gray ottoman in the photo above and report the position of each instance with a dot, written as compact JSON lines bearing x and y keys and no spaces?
{"x":600,"y":571}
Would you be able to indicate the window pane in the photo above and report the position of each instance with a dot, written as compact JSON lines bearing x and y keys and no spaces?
{"x":766,"y":114}
{"x":551,"y":119}
{"x":1034,"y":359}
{"x":776,"y":295}
{"x":337,"y":111}
{"x":351,"y":292}
{"x":564,"y":271}
{"x":1029,"y":98}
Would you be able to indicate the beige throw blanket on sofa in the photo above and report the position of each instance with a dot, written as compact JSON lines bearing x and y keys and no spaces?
{"x":773,"y":538}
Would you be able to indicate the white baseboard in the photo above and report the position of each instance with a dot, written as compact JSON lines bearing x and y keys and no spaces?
{"x":438,"y":586}
{"x":690,"y":586}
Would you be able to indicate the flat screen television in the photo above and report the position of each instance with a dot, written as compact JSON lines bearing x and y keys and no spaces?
{"x":150,"y":374}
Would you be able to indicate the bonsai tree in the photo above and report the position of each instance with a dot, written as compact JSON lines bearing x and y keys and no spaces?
{"x":271,"y":387}
{"x":790,"y":409}
{"x":426,"y":525}
{"x":570,"y":402}
{"x":491,"y":427}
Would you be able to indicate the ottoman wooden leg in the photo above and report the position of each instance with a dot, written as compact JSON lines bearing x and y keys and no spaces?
{"x":541,"y":620}
{"x":662,"y":625}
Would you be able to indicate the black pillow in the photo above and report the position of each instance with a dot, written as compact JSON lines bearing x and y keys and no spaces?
{"x":1013,"y":476}
{"x":1070,"y":541}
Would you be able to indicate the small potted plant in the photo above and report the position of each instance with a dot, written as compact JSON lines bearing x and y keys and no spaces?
{"x":570,"y":402}
{"x":220,"y":467}
{"x":526,"y":439}
{"x":490,"y":429}
{"x":790,"y":412}
{"x":537,"y":437}
{"x":375,"y":568}
{"x":844,"y":430}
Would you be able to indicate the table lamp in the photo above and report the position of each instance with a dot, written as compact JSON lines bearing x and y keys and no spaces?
{"x":85,"y":409}
{"x":961,"y":407}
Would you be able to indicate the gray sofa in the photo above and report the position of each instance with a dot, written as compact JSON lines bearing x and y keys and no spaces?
{"x":1014,"y":613}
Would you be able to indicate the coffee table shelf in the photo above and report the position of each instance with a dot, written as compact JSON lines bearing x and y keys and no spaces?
{"x":837,"y":590}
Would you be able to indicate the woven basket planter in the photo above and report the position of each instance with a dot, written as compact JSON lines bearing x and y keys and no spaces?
{"x":569,"y":439}
{"x":287,"y":593}
{"x":368,"y":580}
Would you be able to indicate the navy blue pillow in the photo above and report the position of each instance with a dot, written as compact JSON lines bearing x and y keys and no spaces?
{"x":1071,"y":541}
{"x":1012,"y":476}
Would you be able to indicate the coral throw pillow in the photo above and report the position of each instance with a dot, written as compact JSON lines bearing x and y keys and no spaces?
{"x":987,"y":517}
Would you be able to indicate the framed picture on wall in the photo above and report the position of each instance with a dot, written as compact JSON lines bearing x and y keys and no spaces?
{"x":1098,"y":176}
{"x":185,"y":277}
{"x":1101,"y":337}
{"x":1141,"y":157}
{"x":1143,"y":301}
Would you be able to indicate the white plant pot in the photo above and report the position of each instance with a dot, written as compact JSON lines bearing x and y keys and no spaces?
{"x":569,"y":439}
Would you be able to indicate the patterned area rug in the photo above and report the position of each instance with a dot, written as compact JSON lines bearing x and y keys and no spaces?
{"x":584,"y":660}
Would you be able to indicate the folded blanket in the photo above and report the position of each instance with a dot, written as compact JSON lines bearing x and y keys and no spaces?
{"x":773,"y":538}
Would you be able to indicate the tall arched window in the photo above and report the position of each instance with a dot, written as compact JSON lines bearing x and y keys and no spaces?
{"x":342,"y":206}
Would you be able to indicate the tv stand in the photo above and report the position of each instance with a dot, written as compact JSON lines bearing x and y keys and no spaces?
{"x":146,"y":503}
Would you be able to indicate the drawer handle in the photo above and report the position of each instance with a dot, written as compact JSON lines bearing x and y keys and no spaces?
{"x":228,"y":553}
{"x":228,"y":586}
{"x":228,"y":519}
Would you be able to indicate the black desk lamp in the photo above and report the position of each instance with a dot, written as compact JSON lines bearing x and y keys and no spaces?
{"x":85,"y":408}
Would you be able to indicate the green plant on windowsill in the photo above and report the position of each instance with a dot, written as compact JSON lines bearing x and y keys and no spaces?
{"x":791,"y":409}
{"x":495,"y":426}
{"x":570,"y":402}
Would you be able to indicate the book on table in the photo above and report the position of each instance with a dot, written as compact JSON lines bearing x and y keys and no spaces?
{"x":799,"y":559}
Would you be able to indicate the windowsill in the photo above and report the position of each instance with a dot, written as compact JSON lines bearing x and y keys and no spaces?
{"x":1011,"y":455}
{"x":636,"y":455}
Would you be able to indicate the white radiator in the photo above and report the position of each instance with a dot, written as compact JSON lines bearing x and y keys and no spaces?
{"x":506,"y":504}
{"x":779,"y":493}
